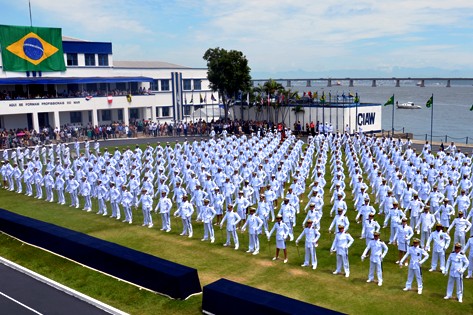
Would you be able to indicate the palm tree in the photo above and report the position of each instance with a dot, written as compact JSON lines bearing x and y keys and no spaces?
{"x":273,"y":89}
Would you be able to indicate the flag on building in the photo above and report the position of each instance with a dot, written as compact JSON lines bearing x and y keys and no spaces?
{"x":192,"y":99}
{"x":471,"y":108}
{"x":31,"y":48}
{"x":88,"y":97}
{"x":430,"y":102}
{"x":201,"y":98}
{"x":357,"y":99}
{"x":322,"y":98}
{"x":390,"y":101}
{"x":205,"y":98}
{"x":212,"y":97}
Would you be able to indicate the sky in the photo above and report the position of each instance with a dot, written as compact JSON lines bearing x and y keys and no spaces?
{"x":280,"y":38}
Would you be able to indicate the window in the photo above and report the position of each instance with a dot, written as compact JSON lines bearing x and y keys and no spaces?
{"x":165,"y":111}
{"x":187,"y":84}
{"x":157,"y":112}
{"x":164,"y":85}
{"x":197,"y":84}
{"x":103,"y":59}
{"x":76,"y":117}
{"x":153,"y":85}
{"x":72,"y":60}
{"x":89,"y":59}
{"x":134,"y":114}
{"x":120,"y":114}
{"x":106,"y":115}
{"x":187,"y":110}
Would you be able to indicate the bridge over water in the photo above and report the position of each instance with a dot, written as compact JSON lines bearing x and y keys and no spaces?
{"x":419,"y":81}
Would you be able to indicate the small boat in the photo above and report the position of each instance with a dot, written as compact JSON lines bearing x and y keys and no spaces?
{"x":408,"y":105}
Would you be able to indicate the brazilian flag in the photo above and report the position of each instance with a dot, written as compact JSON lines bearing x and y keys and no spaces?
{"x":27,"y":48}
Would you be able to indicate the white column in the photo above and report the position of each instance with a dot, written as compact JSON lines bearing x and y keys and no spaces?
{"x":126,"y":116}
{"x":153,"y":113}
{"x":95,"y":117}
{"x":57,"y":122}
{"x":35,"y":121}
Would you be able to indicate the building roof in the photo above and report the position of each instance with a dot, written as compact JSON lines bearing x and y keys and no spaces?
{"x":72,"y":39}
{"x":147,"y":65}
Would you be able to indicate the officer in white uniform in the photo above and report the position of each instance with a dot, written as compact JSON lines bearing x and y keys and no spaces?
{"x":462,"y":226}
{"x":311,"y":237}
{"x":441,"y":241}
{"x":457,"y":262}
{"x":164,"y":206}
{"x":416,"y":253}
{"x":340,"y":245}
{"x":282,"y":231}
{"x":254,"y":225}
{"x":232,"y":219}
{"x":207,"y":215}
{"x":378,"y":251}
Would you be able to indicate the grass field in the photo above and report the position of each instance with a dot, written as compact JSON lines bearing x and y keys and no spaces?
{"x":213,"y":261}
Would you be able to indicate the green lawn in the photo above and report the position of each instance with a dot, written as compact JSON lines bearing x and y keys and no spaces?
{"x":213,"y":261}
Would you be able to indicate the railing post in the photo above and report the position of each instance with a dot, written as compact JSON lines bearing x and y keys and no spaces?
{"x":445,"y":138}
{"x":466,"y":140}
{"x":426,"y":137}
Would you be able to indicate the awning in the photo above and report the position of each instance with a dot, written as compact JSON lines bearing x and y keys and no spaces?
{"x":72,"y":80}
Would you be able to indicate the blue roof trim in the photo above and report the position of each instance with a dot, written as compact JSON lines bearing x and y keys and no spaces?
{"x":72,"y":80}
{"x":87,"y":47}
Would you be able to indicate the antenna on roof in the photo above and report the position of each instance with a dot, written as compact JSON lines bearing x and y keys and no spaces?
{"x":31,"y":19}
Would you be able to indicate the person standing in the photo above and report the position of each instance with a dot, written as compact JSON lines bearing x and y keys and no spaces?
{"x":85,"y":191}
{"x":425,"y":225}
{"x":282,"y":231}
{"x":127,"y":201}
{"x":207,"y":215}
{"x":340,"y":245}
{"x":254,"y":224}
{"x":146,"y":205}
{"x":164,"y":206}
{"x":462,"y":226}
{"x":185,"y":210}
{"x":378,"y":251}
{"x":311,"y":237}
{"x":441,"y":241}
{"x":114,"y":195}
{"x":457,"y":263}
{"x":402,"y":238}
{"x":59,"y":186}
{"x":232,"y":219}
{"x":48,"y":181}
{"x":415,"y":263}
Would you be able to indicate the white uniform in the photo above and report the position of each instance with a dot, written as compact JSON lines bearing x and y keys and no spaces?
{"x":254,"y":225}
{"x":232,"y":219}
{"x":457,"y":262}
{"x":378,"y":251}
{"x":311,"y":238}
{"x":415,"y":263}
{"x":441,"y":241}
{"x":340,"y":245}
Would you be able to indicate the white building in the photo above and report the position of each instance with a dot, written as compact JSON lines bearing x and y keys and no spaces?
{"x":94,"y":90}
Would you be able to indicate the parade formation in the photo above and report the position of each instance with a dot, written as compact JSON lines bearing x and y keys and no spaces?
{"x":264,"y":185}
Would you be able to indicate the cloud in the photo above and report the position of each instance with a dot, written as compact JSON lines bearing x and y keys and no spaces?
{"x":283,"y":34}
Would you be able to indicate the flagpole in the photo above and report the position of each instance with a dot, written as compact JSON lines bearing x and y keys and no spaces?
{"x":432,"y":119}
{"x":31,"y":18}
{"x":392,"y":122}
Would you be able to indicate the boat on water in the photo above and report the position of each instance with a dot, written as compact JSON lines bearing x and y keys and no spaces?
{"x":408,"y":105}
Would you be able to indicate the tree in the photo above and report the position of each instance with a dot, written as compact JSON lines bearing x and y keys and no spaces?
{"x":228,"y":73}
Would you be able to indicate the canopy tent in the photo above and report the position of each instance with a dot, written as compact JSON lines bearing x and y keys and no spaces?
{"x":210,"y":112}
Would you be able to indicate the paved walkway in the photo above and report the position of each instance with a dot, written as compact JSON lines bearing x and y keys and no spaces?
{"x":21,"y":294}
